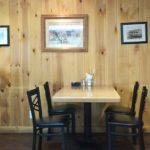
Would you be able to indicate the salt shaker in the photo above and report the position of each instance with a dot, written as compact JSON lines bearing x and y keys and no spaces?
{"x":83,"y":82}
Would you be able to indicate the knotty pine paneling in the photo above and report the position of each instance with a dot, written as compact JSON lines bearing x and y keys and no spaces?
{"x":23,"y":65}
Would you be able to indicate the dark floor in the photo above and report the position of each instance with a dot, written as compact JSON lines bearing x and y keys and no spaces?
{"x":24,"y":142}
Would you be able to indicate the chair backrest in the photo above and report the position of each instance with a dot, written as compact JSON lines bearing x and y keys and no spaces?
{"x":48,"y":96}
{"x":134,"y":97}
{"x":142,"y":104}
{"x":35,"y":104}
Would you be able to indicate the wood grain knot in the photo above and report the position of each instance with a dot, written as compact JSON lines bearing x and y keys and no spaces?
{"x":116,"y":31}
{"x":28,"y":74}
{"x":33,"y":50}
{"x":121,"y":9}
{"x":17,"y":65}
{"x":136,"y":49}
{"x":9,"y":84}
{"x":100,"y":10}
{"x":23,"y":35}
{"x":115,"y":87}
{"x":22,"y":100}
{"x":2,"y":90}
{"x":102,"y":52}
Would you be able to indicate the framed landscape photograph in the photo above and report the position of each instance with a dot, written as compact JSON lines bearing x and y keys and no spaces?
{"x":134,"y":32}
{"x":4,"y":35}
{"x":64,"y":33}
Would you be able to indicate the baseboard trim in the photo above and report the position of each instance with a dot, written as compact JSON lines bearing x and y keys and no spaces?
{"x":13,"y":129}
{"x":147,"y":129}
{"x":22,"y":129}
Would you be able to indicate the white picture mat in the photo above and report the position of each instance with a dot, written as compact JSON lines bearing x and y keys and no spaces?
{"x":3,"y":35}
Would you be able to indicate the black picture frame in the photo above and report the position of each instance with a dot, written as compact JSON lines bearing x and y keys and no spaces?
{"x":134,"y":33}
{"x":4,"y":35}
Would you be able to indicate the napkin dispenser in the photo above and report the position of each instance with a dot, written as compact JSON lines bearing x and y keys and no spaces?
{"x":75,"y":84}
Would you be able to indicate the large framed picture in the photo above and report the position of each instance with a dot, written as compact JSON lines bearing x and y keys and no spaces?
{"x":4,"y":35}
{"x":64,"y":33}
{"x":134,"y":32}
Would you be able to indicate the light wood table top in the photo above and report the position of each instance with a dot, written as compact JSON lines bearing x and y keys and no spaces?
{"x":86,"y":94}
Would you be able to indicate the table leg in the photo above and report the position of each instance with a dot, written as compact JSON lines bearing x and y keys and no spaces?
{"x":87,"y":122}
{"x":87,"y":140}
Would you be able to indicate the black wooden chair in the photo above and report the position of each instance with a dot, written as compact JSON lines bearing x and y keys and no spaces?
{"x":130,"y":122}
{"x":41,"y":123}
{"x":69,"y":110}
{"x":112,"y":109}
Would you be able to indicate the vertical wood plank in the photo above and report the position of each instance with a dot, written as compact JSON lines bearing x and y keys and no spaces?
{"x":24,"y":66}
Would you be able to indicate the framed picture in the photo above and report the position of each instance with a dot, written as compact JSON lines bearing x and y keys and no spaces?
{"x":4,"y":35}
{"x":64,"y":33}
{"x":134,"y":32}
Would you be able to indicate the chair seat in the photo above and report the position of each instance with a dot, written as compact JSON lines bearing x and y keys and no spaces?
{"x":70,"y":107}
{"x":118,"y":109}
{"x":53,"y":121}
{"x":65,"y":110}
{"x":62,"y":111}
{"x":123,"y":120}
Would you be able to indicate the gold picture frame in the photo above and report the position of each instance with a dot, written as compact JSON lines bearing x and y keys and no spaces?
{"x":67,"y":33}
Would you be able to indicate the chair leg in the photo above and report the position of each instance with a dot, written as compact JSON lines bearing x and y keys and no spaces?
{"x":106,"y":120}
{"x":63,"y":140}
{"x":109,"y":137}
{"x":34,"y":140}
{"x":40,"y":140}
{"x":108,"y":130}
{"x":141,"y":139}
{"x":49,"y":131}
{"x":134,"y":137}
{"x":73,"y":123}
{"x":67,"y":129}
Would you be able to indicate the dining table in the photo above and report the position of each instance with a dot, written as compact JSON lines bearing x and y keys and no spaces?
{"x":87,"y":95}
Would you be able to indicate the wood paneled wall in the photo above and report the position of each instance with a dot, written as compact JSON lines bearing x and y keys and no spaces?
{"x":23,"y":65}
